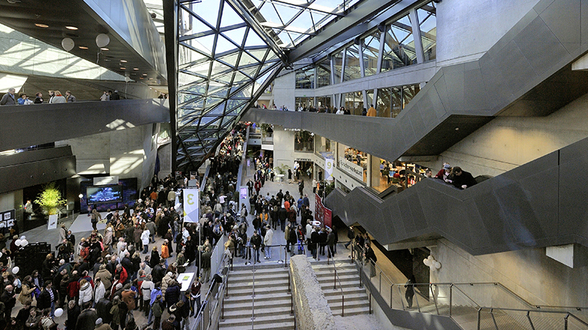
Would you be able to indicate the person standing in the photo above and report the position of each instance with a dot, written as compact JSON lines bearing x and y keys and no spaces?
{"x":267,"y":241}
{"x":9,"y":299}
{"x":157,"y":312}
{"x":8,"y":98}
{"x":195,"y":297}
{"x":409,"y":291}
{"x":38,"y":98}
{"x":69,"y":98}
{"x":95,"y":217}
{"x":256,"y":244}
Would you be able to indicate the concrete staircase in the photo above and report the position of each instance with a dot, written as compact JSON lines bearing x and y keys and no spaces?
{"x":271,"y":302}
{"x":356,"y":299}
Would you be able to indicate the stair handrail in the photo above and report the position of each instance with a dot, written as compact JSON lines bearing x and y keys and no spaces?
{"x":566,"y":315}
{"x":357,"y":257}
{"x":335,"y":280}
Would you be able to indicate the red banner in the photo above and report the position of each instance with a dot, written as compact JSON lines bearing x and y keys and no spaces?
{"x":322,"y":213}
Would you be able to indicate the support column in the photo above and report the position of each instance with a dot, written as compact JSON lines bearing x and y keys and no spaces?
{"x":416,"y":33}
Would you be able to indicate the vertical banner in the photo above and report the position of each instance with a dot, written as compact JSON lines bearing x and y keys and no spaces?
{"x":321,"y":213}
{"x":329,"y":163}
{"x":191,"y":205}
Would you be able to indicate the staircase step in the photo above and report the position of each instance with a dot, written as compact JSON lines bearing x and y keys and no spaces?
{"x":245,"y":304}
{"x":271,"y":326}
{"x":259,"y":320}
{"x":349,"y":296}
{"x":351,"y":311}
{"x":248,"y":283}
{"x":258,"y":276}
{"x":279,"y":297}
{"x":259,"y":291}
{"x":260,"y":310}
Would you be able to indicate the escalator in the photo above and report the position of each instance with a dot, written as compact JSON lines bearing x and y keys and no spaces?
{"x":535,"y":205}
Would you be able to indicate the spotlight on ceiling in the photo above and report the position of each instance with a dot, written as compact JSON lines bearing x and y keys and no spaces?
{"x":41,"y":25}
{"x":71,"y":27}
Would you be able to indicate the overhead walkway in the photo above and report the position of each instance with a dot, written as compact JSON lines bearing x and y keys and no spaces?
{"x":23,"y":126}
{"x":538,"y":204}
{"x":518,"y":76}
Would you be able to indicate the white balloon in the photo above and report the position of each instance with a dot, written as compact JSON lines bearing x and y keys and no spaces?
{"x":15,"y":270}
{"x":58,"y":312}
{"x":426,"y":262}
{"x":17,"y":242}
{"x":437,"y":265}
{"x":67,"y":44}
{"x":24,"y":243}
{"x":102,"y":40}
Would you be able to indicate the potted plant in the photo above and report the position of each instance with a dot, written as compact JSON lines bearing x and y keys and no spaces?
{"x":50,"y":199}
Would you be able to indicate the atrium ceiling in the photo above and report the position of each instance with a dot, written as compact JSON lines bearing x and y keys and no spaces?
{"x":228,"y":52}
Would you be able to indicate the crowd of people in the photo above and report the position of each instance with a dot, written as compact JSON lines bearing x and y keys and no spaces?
{"x":103,"y":280}
{"x":54,"y":97}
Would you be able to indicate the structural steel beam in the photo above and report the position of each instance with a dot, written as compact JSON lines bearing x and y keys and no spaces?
{"x":354,"y":24}
{"x":245,"y":14}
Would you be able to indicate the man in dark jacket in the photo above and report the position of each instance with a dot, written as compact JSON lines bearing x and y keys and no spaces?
{"x":462,"y":179}
{"x":9,"y":299}
{"x":87,"y":319}
{"x":256,"y":245}
{"x":158,"y":272}
{"x":48,"y":297}
{"x":172,"y":294}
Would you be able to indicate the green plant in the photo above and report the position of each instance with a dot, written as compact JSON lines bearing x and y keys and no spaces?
{"x":50,"y":199}
{"x":282,"y":169}
{"x":329,"y":187}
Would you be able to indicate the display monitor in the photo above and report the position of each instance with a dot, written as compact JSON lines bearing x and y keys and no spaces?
{"x":104,"y":194}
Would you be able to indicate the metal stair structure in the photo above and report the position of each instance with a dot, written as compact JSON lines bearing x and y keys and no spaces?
{"x":258,"y":299}
{"x":344,"y":286}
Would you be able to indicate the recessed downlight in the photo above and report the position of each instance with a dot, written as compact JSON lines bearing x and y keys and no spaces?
{"x":83,"y":47}
{"x":104,"y":48}
{"x":41,"y":25}
{"x":71,"y":27}
{"x":144,"y":74}
{"x":136,"y":69}
{"x":123,"y":61}
{"x":123,"y":68}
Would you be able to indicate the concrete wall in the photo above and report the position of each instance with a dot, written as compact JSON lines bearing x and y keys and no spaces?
{"x":283,"y":91}
{"x":127,"y":153}
{"x":508,"y":142}
{"x":529,"y":273}
{"x":310,"y":305}
{"x":284,"y":148}
{"x":467,"y":29}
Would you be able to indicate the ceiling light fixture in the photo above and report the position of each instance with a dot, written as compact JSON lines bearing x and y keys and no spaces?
{"x":123,"y":61}
{"x":136,"y":69}
{"x":41,"y":25}
{"x":83,"y":47}
{"x":104,"y":48}
{"x":144,"y":74}
{"x":123,"y":68}
{"x":71,"y":27}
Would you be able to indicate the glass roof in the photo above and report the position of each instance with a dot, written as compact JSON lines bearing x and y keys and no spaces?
{"x":292,"y":21}
{"x":222,"y":66}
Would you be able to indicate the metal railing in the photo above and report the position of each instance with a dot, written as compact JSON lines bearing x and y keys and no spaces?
{"x":335,"y":280}
{"x":212,"y":307}
{"x":490,"y":303}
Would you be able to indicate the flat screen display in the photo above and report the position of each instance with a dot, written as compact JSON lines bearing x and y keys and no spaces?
{"x":104,"y":194}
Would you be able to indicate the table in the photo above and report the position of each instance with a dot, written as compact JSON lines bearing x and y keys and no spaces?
{"x":185,"y":280}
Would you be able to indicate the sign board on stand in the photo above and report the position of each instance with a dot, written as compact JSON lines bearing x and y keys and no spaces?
{"x":191,"y":205}
{"x":329,"y":164}
{"x":52,"y":224}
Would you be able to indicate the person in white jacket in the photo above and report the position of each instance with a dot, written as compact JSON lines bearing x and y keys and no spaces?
{"x":145,"y":237}
{"x":86,"y":293}
{"x":267,"y":241}
{"x":99,"y":290}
